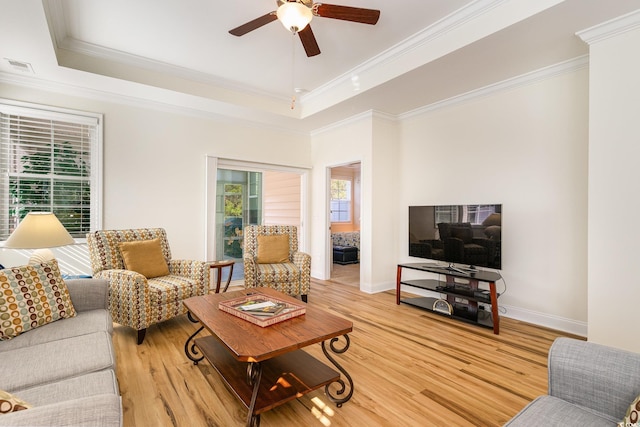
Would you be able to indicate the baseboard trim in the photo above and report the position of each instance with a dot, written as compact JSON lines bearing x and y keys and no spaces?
{"x":545,"y":320}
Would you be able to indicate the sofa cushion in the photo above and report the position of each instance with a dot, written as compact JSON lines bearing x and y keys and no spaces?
{"x":550,"y":411}
{"x":92,"y":384}
{"x":32,"y":296}
{"x":144,"y":257}
{"x":11,"y":403}
{"x":633,"y":414}
{"x":56,"y":360}
{"x":273,"y":249}
{"x":100,"y":410}
{"x":83,"y":323}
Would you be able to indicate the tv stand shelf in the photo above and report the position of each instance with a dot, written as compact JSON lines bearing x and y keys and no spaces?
{"x":463,"y":297}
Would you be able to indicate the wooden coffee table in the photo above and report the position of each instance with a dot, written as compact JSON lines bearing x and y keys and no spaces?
{"x":265,"y":367}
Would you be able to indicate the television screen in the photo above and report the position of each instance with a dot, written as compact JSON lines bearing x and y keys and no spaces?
{"x":457,"y":234}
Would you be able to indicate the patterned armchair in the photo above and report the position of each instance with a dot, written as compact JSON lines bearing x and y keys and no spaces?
{"x":134,"y":300}
{"x":290,"y":277}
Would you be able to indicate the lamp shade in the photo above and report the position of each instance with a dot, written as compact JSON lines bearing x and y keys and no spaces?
{"x":39,"y":230}
{"x":294,"y":16}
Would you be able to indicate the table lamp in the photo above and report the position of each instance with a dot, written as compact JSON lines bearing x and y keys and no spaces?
{"x":41,"y":231}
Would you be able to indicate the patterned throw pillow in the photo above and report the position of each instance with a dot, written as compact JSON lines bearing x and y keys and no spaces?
{"x":632,"y":418}
{"x":32,"y":296}
{"x":11,"y":403}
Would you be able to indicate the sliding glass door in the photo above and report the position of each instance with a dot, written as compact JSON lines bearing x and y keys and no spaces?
{"x":239,"y":203}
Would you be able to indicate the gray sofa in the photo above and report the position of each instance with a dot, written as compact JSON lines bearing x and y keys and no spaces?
{"x":589,"y":385}
{"x":66,"y":369}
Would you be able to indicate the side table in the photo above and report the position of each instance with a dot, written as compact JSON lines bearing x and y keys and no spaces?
{"x":219,"y":265}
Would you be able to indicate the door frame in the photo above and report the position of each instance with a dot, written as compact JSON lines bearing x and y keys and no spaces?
{"x":328,"y":240}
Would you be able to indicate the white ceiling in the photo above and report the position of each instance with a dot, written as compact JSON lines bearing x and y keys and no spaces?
{"x":180,"y":54}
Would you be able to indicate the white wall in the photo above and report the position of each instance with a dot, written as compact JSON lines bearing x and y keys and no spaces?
{"x":154,"y":162}
{"x":527,"y":149}
{"x":345,"y":143}
{"x":614,"y":150}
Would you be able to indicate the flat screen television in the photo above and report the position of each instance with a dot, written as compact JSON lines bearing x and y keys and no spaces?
{"x":463,"y":235}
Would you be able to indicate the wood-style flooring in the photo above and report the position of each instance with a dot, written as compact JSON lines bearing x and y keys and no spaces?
{"x":410,"y":368}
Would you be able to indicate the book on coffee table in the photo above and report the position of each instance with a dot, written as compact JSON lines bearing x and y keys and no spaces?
{"x":262,"y":310}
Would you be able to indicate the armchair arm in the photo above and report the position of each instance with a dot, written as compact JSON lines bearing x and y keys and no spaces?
{"x":198,"y":271}
{"x":249,"y":272}
{"x":303,"y":262}
{"x":601,"y":378}
{"x":128,"y":297}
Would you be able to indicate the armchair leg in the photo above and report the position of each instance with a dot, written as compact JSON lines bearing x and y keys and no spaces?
{"x":141,"y":334}
{"x":304,"y":298}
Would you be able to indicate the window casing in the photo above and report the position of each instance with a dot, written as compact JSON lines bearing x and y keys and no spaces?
{"x":49,"y":161}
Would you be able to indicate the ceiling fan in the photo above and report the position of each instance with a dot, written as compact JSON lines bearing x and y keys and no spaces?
{"x":295,"y":15}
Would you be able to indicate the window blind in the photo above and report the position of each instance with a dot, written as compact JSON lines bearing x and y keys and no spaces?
{"x":46,"y":163}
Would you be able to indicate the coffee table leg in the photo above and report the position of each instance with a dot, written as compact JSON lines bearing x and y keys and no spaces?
{"x":342,"y":385}
{"x":254,"y":375}
{"x":190,"y":349}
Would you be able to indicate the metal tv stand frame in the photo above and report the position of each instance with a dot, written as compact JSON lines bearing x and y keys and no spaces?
{"x":463,"y":297}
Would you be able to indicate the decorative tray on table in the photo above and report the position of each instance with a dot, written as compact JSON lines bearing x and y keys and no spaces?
{"x":262,"y":310}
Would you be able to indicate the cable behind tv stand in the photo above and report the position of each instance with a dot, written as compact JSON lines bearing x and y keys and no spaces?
{"x":463,"y":297}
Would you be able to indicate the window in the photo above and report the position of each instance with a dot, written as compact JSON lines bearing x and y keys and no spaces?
{"x":340,"y":200}
{"x":49,"y":161}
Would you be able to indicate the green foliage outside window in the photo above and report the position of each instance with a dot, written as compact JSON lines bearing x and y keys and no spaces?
{"x":53,"y":180}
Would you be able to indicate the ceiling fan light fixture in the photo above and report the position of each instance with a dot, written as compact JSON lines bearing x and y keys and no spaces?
{"x":294,"y":16}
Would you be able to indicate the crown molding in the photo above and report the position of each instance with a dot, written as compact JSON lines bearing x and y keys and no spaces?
{"x":62,"y":41}
{"x":611,"y":28}
{"x":209,"y":109}
{"x":569,"y":66}
{"x":423,"y":37}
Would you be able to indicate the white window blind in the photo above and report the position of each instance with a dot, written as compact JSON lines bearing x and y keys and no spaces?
{"x":47,"y":163}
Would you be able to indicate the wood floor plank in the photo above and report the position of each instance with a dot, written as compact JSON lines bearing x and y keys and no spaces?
{"x":410,"y":367}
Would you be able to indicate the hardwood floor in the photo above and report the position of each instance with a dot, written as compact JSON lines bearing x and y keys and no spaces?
{"x":410,"y":368}
{"x":346,"y":274}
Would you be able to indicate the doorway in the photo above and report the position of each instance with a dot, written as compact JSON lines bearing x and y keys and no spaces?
{"x":243,"y":193}
{"x":344,"y":217}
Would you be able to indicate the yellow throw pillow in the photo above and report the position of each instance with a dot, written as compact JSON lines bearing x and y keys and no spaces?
{"x":10,"y":403}
{"x":273,"y":249}
{"x":144,"y":257}
{"x":32,"y":296}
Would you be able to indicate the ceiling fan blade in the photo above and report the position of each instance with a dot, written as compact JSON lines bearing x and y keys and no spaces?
{"x":347,"y":13}
{"x":309,"y":41}
{"x":253,"y":25}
